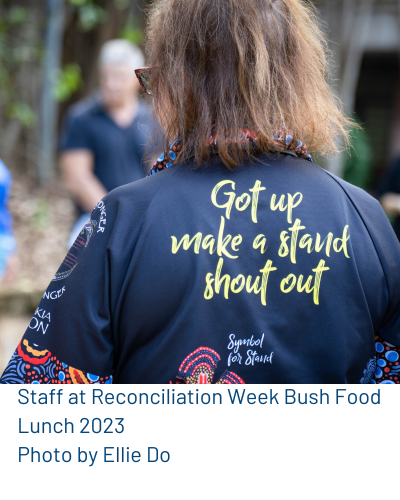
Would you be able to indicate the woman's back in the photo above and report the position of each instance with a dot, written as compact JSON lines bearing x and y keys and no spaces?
{"x":272,"y":266}
{"x":271,"y":273}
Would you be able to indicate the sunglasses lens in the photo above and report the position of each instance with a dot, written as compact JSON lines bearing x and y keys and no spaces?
{"x":145,"y":80}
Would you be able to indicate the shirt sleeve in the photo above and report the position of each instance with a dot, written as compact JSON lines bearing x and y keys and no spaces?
{"x":387,"y":248}
{"x":69,"y":339}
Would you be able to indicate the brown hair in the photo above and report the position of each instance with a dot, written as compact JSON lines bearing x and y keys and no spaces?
{"x":227,"y":64}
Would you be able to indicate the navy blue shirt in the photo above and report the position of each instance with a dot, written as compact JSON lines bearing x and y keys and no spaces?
{"x":276,"y":272}
{"x":118,"y":152}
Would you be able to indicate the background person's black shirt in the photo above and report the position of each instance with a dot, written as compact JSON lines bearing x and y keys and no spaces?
{"x":207,"y":275}
{"x":391,"y":184}
{"x":118,"y":152}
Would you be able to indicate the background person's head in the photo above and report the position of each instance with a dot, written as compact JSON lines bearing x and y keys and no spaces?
{"x":258,"y":63}
{"x":117,"y":63}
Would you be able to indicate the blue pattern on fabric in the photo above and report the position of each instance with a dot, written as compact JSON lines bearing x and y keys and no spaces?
{"x":388,"y":364}
{"x":369,"y":372}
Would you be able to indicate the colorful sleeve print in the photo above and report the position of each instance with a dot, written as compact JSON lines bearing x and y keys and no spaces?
{"x":387,"y":363}
{"x":199,"y":368}
{"x":30,"y":364}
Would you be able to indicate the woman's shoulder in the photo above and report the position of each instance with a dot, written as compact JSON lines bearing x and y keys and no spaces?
{"x":139,"y":196}
{"x":365,"y":207}
{"x":352,"y":191}
{"x":136,"y":197}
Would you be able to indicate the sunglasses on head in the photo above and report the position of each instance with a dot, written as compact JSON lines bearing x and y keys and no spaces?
{"x":144,"y":77}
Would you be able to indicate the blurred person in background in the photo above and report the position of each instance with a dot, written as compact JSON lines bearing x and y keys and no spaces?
{"x":8,"y":259}
{"x":389,"y":195}
{"x":105,"y":136}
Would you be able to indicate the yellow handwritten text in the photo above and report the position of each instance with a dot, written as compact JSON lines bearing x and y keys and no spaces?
{"x":284,"y":249}
{"x":293,"y":242}
{"x":209,"y":243}
{"x":344,"y":239}
{"x":214,"y":283}
{"x":242,"y":202}
{"x":293,"y":202}
{"x":186,"y":243}
{"x":288,"y":283}
{"x":223,"y":242}
{"x":307,"y":242}
{"x":256,"y":191}
{"x":260,"y":241}
{"x":231,"y":197}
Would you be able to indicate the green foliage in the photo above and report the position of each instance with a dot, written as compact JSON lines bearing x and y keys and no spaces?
{"x":134,"y":35}
{"x":357,"y":169}
{"x":25,"y":53}
{"x":41,"y":216}
{"x":22,"y":112}
{"x":392,"y":218}
{"x":122,"y":4}
{"x":17,"y":15}
{"x":69,"y":81}
{"x":90,"y":16}
{"x":16,"y":49}
{"x":78,"y":3}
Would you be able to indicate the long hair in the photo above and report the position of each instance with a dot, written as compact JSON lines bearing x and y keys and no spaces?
{"x":222,"y":65}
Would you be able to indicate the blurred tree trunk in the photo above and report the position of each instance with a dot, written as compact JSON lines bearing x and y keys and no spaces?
{"x":49,"y":105}
{"x":21,"y":36}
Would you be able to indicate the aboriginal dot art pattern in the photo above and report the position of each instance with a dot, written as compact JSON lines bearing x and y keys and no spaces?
{"x":32,"y":365}
{"x":387,"y":363}
{"x":199,"y":368}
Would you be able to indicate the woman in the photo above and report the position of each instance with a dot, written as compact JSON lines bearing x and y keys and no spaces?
{"x":240,"y":261}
